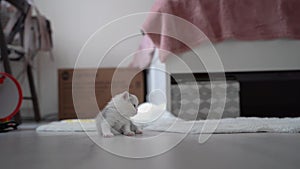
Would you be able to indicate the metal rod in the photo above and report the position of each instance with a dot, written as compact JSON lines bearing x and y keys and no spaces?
{"x":33,"y":94}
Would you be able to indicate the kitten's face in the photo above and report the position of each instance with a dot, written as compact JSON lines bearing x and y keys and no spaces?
{"x":126,"y":104}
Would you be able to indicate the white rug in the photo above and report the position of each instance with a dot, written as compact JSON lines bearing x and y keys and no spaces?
{"x":230,"y":125}
{"x":168,"y":123}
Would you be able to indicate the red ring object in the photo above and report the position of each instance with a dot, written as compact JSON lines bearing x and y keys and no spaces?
{"x":10,"y":116}
{"x":2,"y":79}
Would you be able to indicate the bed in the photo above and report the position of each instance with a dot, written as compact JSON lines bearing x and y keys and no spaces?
{"x":251,"y":37}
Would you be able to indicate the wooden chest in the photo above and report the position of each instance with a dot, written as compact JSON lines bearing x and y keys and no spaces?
{"x":95,"y":84}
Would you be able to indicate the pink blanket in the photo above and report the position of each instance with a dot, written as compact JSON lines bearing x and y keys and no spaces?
{"x":218,"y":20}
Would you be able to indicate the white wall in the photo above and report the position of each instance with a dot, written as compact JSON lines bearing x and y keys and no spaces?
{"x":73,"y":22}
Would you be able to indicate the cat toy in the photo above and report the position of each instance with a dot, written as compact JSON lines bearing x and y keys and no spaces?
{"x":10,"y":101}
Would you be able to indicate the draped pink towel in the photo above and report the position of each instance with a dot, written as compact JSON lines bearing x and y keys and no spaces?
{"x":218,"y":20}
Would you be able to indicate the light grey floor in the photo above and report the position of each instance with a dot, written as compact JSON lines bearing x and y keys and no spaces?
{"x":27,"y":149}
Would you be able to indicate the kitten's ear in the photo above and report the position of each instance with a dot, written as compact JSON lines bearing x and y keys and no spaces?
{"x":125,"y":95}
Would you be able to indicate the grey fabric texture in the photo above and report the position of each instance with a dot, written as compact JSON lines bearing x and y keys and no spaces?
{"x":186,"y":96}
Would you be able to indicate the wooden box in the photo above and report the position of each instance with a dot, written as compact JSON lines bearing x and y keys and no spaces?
{"x":93,"y":85}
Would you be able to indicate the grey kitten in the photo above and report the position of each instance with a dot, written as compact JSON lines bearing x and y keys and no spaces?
{"x":115,"y":117}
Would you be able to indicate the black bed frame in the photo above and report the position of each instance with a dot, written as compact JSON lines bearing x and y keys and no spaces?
{"x":262,"y":93}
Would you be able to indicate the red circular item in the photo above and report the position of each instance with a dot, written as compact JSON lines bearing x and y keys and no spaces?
{"x":17,"y":108}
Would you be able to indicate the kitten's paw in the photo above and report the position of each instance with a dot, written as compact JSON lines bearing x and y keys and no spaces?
{"x":108,"y":135}
{"x":130,"y":133}
{"x":139,"y":132}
